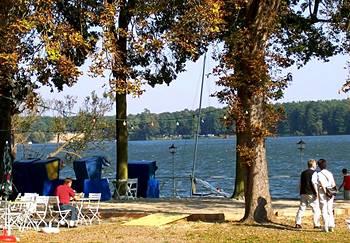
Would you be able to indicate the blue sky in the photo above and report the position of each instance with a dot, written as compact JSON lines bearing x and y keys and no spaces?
{"x":315,"y":81}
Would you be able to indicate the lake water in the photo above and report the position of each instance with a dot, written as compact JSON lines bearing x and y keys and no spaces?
{"x":216,"y":161}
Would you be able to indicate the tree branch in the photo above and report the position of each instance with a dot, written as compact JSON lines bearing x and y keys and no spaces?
{"x":67,"y":152}
{"x":314,"y":13}
{"x":61,"y":147}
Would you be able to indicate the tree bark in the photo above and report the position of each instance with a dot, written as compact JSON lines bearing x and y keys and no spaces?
{"x":252,"y":77}
{"x":240,"y":170}
{"x":6,"y":74}
{"x":119,"y":73}
{"x":258,"y":206}
{"x":5,"y":123}
{"x":122,"y":137}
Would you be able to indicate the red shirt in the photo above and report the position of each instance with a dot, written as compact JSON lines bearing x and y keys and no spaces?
{"x":64,"y":193}
{"x":347,"y":182}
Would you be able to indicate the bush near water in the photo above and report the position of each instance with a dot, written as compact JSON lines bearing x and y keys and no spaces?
{"x":330,"y":117}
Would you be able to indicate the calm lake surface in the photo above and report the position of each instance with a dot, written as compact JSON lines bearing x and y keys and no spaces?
{"x":216,"y":161}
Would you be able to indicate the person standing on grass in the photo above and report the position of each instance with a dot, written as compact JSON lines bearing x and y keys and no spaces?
{"x":326,"y":179}
{"x":65,"y":193}
{"x":308,"y":195}
{"x":346,"y":184}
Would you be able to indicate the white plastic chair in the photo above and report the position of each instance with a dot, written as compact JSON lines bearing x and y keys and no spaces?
{"x":81,"y":204}
{"x":130,"y":190}
{"x":92,"y":209}
{"x":57,"y":215}
{"x":30,"y":195}
{"x":31,"y":199}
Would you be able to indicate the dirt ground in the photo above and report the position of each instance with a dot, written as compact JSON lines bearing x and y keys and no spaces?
{"x":112,"y":230}
{"x":116,"y":213}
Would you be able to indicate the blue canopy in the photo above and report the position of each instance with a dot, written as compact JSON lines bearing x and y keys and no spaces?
{"x":89,"y":167}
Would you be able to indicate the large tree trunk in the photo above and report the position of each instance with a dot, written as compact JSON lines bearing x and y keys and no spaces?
{"x":6,"y":72}
{"x":258,"y":207}
{"x":240,"y":171}
{"x":119,"y":72}
{"x":5,"y":122}
{"x":122,"y":137}
{"x":252,"y":77}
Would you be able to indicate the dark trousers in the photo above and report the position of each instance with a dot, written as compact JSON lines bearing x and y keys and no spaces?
{"x":73,"y":211}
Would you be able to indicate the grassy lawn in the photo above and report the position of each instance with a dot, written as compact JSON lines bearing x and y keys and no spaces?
{"x":112,"y":230}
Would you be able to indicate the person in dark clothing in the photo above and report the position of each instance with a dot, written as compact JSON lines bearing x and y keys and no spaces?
{"x":308,"y":195}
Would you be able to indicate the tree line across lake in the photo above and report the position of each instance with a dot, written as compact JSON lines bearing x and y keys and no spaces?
{"x":330,"y":117}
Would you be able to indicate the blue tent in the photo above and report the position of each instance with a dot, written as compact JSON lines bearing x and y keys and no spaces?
{"x":144,"y":171}
{"x":89,"y":167}
{"x":33,"y":175}
{"x":88,"y":172}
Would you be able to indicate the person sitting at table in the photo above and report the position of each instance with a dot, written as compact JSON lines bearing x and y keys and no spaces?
{"x":65,"y":193}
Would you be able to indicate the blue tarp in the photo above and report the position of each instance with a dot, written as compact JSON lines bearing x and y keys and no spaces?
{"x":89,"y":167}
{"x":88,"y":172}
{"x":30,"y":175}
{"x":22,"y":175}
{"x":49,"y":187}
{"x":97,"y":186}
{"x":153,"y":188}
{"x":143,"y":170}
{"x":45,"y":170}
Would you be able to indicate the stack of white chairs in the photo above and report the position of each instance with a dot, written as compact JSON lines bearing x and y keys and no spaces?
{"x":11,"y":216}
{"x":3,"y":210}
{"x":28,"y":211}
{"x":14,"y":214}
{"x":19,"y":214}
{"x":39,"y":217}
{"x":21,"y":210}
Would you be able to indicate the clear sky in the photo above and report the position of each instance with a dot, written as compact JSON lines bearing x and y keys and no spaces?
{"x":315,"y":81}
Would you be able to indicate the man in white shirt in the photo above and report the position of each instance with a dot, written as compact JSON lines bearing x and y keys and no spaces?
{"x":326,"y":179}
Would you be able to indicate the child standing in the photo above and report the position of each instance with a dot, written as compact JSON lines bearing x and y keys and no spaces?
{"x":346,"y":184}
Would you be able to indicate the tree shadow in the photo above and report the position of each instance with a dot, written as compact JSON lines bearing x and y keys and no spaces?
{"x":262,"y":219}
{"x":279,"y":226}
{"x":260,"y":213}
{"x":270,"y":225}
